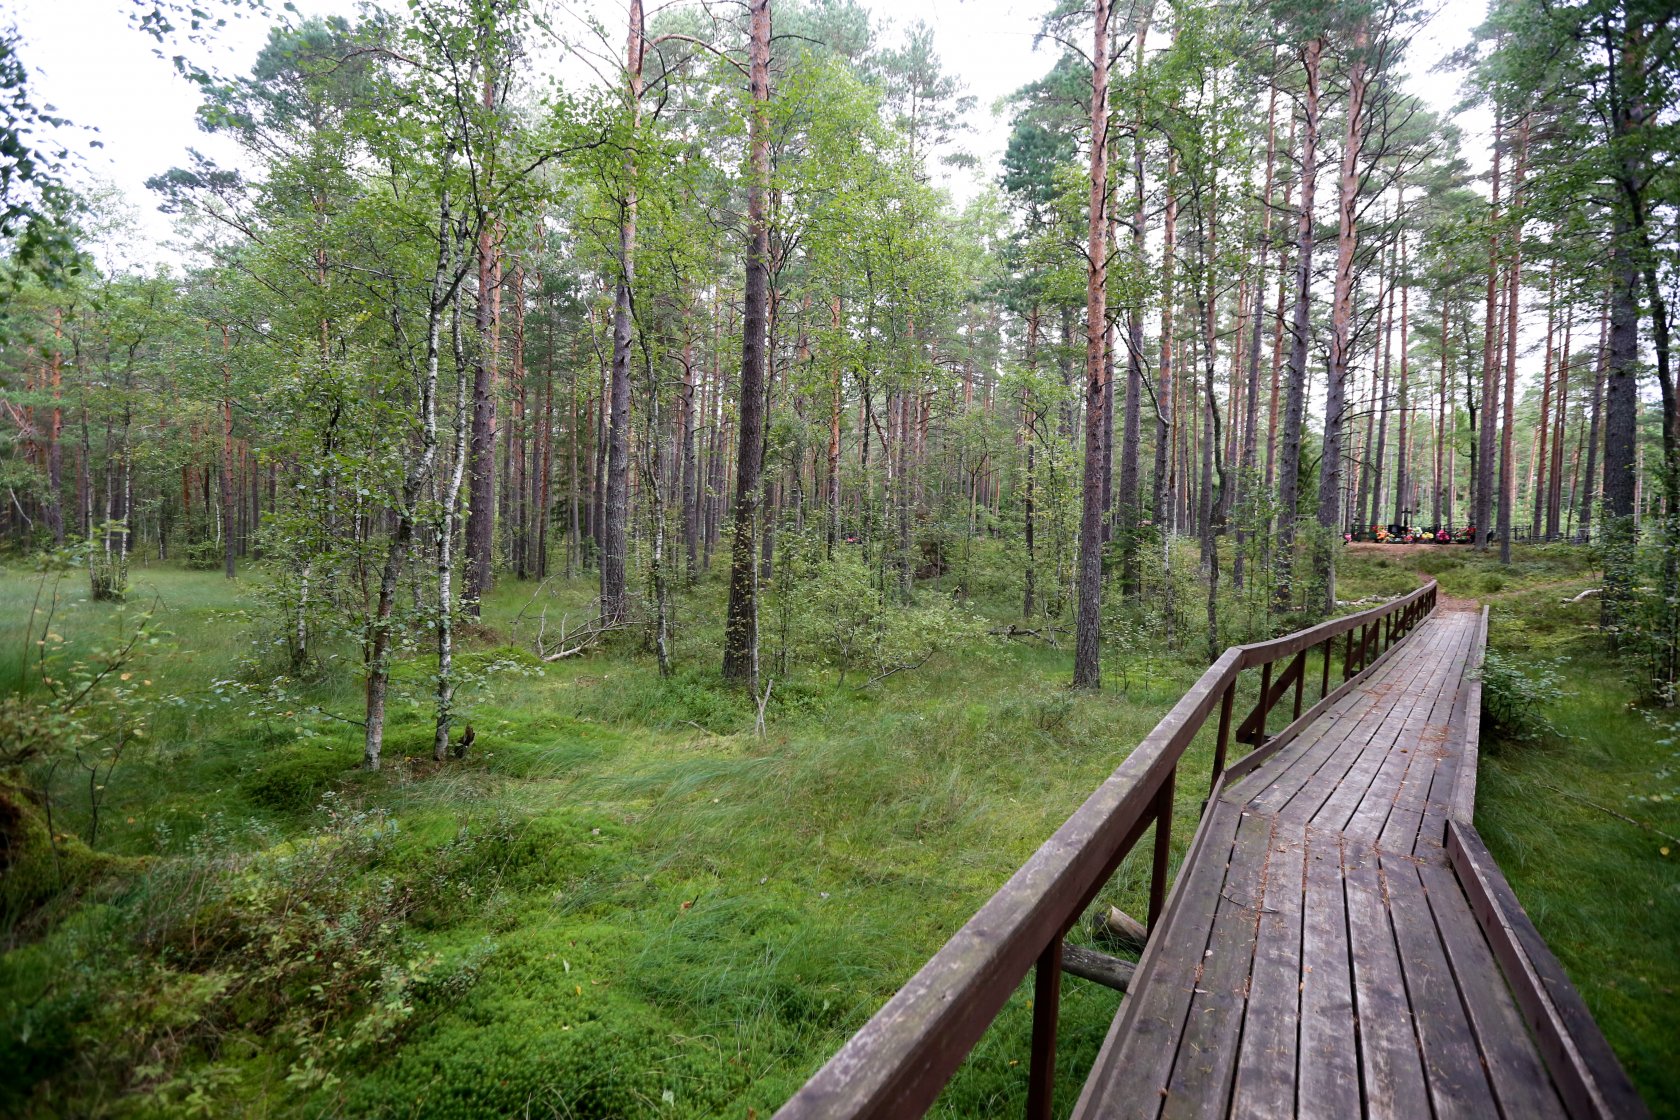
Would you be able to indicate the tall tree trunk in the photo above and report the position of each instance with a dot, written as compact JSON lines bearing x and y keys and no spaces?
{"x":1507,"y":465}
{"x":1560,"y":427}
{"x":614,"y":562}
{"x":1164,"y":498}
{"x":1341,"y":314}
{"x":1289,"y":452}
{"x":1087,"y":672}
{"x":740,"y":639}
{"x":481,"y":466}
{"x":1443,"y":435}
{"x":1251,"y":418}
{"x":448,"y":526}
{"x":1590,"y":475}
{"x":230,"y":546}
{"x":415,"y":480}
{"x":1132,"y":433}
{"x":1405,"y":500}
{"x":55,"y":429}
{"x":1483,"y":506}
{"x":1542,"y":451}
{"x":1029,"y":485}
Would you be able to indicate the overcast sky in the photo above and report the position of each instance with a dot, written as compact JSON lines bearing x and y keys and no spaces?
{"x":97,"y":70}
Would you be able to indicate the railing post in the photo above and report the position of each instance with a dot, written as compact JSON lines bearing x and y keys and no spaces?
{"x":1163,"y":843}
{"x":1264,"y":707}
{"x":1047,"y":1005}
{"x":1347,"y":658}
{"x":1329,"y":652}
{"x":1300,"y":671}
{"x":1224,"y":738}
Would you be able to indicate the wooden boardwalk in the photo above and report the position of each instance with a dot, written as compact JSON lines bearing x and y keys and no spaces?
{"x":1338,"y":943}
{"x":1320,"y":956}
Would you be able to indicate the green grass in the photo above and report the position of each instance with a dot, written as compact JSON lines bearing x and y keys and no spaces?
{"x":624,"y":893}
{"x":668,"y":903}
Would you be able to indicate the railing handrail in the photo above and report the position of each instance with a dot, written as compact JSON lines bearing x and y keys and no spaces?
{"x":900,"y":1060}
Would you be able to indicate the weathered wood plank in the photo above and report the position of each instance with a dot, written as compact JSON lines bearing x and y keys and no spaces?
{"x":1452,"y":1062}
{"x":1588,"y":1075}
{"x":1200,"y":1084}
{"x":1136,"y":1058}
{"x":1264,"y":1088}
{"x":1392,"y":1069}
{"x":1327,"y":1069}
{"x":1519,"y":1076}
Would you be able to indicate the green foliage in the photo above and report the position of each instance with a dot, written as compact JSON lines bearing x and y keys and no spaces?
{"x":203,"y":556}
{"x":1516,"y":696}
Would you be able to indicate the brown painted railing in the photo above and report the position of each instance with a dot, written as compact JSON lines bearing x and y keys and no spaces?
{"x":899,"y":1062}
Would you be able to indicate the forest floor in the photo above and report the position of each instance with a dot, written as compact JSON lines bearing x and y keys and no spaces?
{"x":624,"y":902}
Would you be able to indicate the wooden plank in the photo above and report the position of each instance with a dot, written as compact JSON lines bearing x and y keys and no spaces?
{"x":1327,"y":1069}
{"x":1377,"y":773}
{"x":1305,"y":727}
{"x":1585,"y":1069}
{"x":1137,"y":1055}
{"x":1452,"y":1062}
{"x":1403,"y":831}
{"x":1374,"y":728}
{"x":1265,"y":1079}
{"x":1462,"y":803}
{"x":1392,"y":1069}
{"x":1427,"y":751}
{"x":1200,"y":1083}
{"x":1520,"y":1081}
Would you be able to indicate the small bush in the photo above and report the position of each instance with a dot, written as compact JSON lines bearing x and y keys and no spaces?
{"x":205,"y":556}
{"x":1515,"y":697}
{"x":1492,"y":584}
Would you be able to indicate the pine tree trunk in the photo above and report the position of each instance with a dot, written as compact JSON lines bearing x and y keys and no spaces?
{"x":1405,"y":502}
{"x":1507,"y":465}
{"x":1341,"y":316}
{"x":1289,"y":452}
{"x":614,"y":559}
{"x":1087,"y":672}
{"x":1483,"y":508}
{"x":1542,"y":451}
{"x":1132,"y":433}
{"x":740,"y":650}
{"x":230,"y":545}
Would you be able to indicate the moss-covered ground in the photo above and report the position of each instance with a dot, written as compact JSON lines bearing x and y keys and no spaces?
{"x":625,"y":902}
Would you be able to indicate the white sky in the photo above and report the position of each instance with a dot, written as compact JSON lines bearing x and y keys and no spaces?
{"x":98,"y":71}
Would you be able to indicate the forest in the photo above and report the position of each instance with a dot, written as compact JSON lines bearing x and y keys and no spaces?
{"x":579,"y":472}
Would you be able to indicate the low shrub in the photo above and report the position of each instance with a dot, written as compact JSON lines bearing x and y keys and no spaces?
{"x":1515,"y":697}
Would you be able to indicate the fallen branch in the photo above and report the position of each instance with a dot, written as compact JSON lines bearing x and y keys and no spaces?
{"x":1048,"y":634}
{"x":1121,"y":928}
{"x":581,"y":640}
{"x":879,"y":677}
{"x":758,"y":724}
{"x":1587,"y":594}
{"x":1606,"y":809}
{"x":1099,"y":968}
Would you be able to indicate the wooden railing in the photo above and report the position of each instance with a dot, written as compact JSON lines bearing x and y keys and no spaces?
{"x":898,"y":1063}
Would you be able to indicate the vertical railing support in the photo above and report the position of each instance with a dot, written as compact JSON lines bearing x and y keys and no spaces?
{"x":1163,"y":846}
{"x":1224,"y":739}
{"x":1300,"y":671}
{"x":1264,"y":707}
{"x":1329,"y":652}
{"x":1047,"y":1006}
